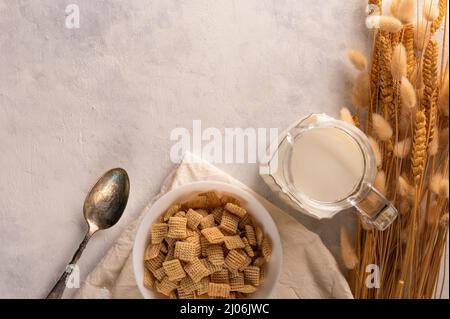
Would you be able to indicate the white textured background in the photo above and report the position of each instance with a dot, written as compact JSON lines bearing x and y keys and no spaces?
{"x":74,"y":103}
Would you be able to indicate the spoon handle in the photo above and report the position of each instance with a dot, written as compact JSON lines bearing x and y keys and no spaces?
{"x":58,"y":289}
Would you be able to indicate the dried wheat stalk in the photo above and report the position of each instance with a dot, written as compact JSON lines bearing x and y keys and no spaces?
{"x":406,"y":119}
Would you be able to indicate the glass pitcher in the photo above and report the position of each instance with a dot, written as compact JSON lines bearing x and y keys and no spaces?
{"x":322,"y":166}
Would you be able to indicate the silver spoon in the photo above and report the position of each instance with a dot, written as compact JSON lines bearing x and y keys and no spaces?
{"x":102,"y":208}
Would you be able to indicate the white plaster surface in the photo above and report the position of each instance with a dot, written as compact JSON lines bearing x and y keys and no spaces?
{"x":76,"y":102}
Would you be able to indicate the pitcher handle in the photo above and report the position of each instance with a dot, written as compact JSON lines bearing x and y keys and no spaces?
{"x":375,"y":209}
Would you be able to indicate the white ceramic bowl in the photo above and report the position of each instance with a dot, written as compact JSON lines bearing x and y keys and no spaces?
{"x":258,"y":212}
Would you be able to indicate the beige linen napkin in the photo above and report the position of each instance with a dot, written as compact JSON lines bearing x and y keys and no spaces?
{"x":309,"y":270}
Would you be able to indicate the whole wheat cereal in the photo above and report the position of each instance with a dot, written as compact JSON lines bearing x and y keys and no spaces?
{"x":202,"y":286}
{"x":248,"y":249}
{"x":185,"y":251}
{"x":250,"y":234}
{"x":226,"y":198}
{"x":237,"y":282}
{"x":262,"y":275}
{"x":186,"y":255}
{"x":266,"y":248}
{"x":211,"y":268}
{"x":202,"y":212}
{"x":207,"y":222}
{"x":235,"y":259}
{"x":188,"y":285}
{"x":195,"y":240}
{"x":166,"y":286}
{"x":233,"y":242}
{"x":212,"y":199}
{"x":247,"y":289}
{"x":149,"y":279}
{"x":217,"y":213}
{"x":196,"y":270}
{"x":213,"y":235}
{"x":172,"y":210}
{"x":195,"y":201}
{"x":259,"y":235}
{"x":229,"y":222}
{"x":180,"y":213}
{"x":158,"y":232}
{"x":190,"y":232}
{"x":204,"y":243}
{"x":220,"y":277}
{"x":251,"y":275}
{"x":154,"y":263}
{"x":193,"y":218}
{"x":246,"y":220}
{"x":183,"y":294}
{"x":214,"y":255}
{"x":177,"y":227}
{"x":159,"y":273}
{"x":247,"y":261}
{"x":152,"y":251}
{"x":218,"y":290}
{"x":259,"y":261}
{"x":236,"y":210}
{"x":174,"y":270}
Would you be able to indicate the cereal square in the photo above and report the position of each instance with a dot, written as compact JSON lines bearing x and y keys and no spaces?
{"x":183,"y":294}
{"x":237,"y":282}
{"x":158,"y":232}
{"x":188,"y":285}
{"x":166,"y":286}
{"x":233,"y":242}
{"x":220,"y":277}
{"x":217,"y":213}
{"x":229,"y":222}
{"x":204,"y":243}
{"x":251,"y":275}
{"x":152,"y":251}
{"x":266,"y":248}
{"x":149,"y":280}
{"x":177,"y":227}
{"x":235,"y":259}
{"x":248,"y":249}
{"x":193,"y":219}
{"x":229,"y":199}
{"x":159,"y":273}
{"x":218,"y":290}
{"x":172,"y":210}
{"x":212,"y":199}
{"x":236,"y":210}
{"x":211,"y":268}
{"x":202,"y":286}
{"x":185,"y":251}
{"x":215,"y":255}
{"x":250,"y":234}
{"x":207,"y":222}
{"x":154,"y":263}
{"x":213,"y":235}
{"x":174,"y":270}
{"x":196,"y":270}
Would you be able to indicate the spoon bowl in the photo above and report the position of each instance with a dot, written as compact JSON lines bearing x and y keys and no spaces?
{"x":107,"y":199}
